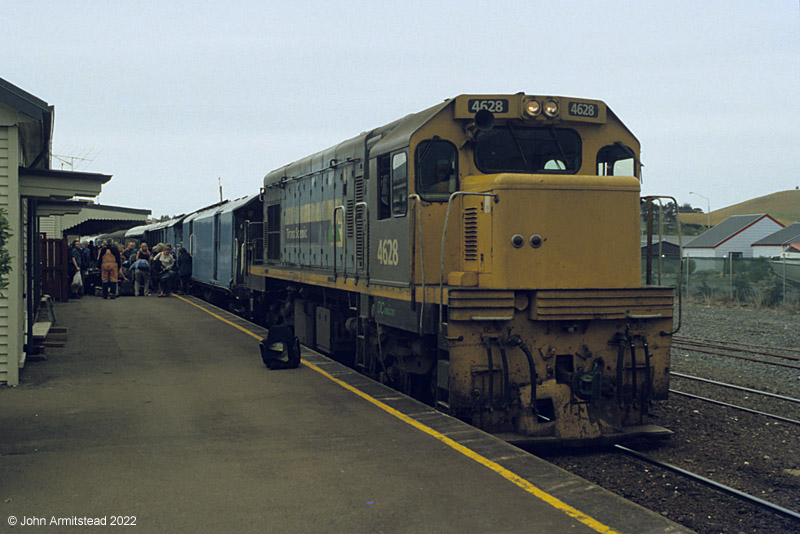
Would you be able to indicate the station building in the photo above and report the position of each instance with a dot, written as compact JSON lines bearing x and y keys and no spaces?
{"x":29,"y":189}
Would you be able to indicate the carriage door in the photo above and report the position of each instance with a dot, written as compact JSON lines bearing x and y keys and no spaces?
{"x":190,"y":233}
{"x":217,"y":234}
{"x":389,"y":261}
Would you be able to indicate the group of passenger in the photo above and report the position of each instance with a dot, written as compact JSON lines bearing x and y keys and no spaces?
{"x":137,"y":266}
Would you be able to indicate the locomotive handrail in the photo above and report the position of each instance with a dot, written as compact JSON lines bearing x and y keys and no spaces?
{"x":417,"y":207}
{"x":344,"y":240}
{"x":333,"y":164}
{"x":444,"y":234}
{"x":252,"y":246}
{"x":649,"y":258}
{"x":243,"y":260}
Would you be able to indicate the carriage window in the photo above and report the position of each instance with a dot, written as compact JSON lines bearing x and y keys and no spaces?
{"x":399,"y":184}
{"x":616,"y":160}
{"x":436,"y":172}
{"x":524,"y":149}
{"x":384,"y":188}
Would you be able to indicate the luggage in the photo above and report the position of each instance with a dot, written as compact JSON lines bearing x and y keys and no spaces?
{"x":281,"y":349}
{"x":126,"y":288}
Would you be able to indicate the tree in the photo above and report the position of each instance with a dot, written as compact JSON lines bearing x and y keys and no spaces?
{"x":5,"y":257}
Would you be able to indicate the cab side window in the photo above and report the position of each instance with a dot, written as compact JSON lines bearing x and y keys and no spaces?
{"x":616,"y":160}
{"x":436,"y":171}
{"x":384,"y":188}
{"x":399,"y":184}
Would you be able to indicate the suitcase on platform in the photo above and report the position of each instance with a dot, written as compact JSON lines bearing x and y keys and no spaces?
{"x":126,"y":288}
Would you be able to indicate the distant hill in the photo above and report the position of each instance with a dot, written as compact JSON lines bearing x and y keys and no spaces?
{"x":783,"y":206}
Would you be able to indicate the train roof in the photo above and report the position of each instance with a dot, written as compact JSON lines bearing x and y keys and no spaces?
{"x":385,"y":138}
{"x":140,"y":230}
{"x":221,"y":207}
{"x":238,"y":203}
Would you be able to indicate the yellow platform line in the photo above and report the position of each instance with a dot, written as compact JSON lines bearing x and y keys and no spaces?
{"x":555,"y":502}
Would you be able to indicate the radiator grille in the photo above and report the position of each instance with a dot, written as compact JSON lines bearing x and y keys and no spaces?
{"x":471,"y":234}
{"x":360,"y":225}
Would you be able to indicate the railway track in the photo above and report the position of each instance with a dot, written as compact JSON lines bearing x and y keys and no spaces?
{"x":740,"y":351}
{"x":738,"y":438}
{"x":712,"y":484}
{"x":735,"y":406}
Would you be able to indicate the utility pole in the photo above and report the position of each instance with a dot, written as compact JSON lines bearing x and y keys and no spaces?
{"x":708,"y":206}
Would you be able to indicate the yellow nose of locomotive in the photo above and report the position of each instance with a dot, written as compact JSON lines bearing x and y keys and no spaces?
{"x":554,"y":232}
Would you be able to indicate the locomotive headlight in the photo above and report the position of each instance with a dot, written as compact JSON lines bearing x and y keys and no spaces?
{"x":517,"y":241}
{"x":551,"y":108}
{"x":532,"y":108}
{"x":536,"y":241}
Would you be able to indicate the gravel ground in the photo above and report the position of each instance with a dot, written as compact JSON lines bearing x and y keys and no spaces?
{"x":749,"y":452}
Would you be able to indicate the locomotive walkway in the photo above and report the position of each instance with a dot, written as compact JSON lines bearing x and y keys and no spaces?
{"x":161,"y":410}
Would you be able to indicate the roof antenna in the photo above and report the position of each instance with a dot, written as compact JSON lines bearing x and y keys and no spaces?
{"x":219,"y":180}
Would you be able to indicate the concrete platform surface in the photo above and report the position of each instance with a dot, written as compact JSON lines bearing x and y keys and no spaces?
{"x":159,"y":413}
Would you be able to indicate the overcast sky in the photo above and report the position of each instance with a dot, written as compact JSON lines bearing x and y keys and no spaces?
{"x":170,"y":96}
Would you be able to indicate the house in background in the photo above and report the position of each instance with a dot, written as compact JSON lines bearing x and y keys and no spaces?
{"x":734,"y":236}
{"x":668,"y":247}
{"x":774,"y":245}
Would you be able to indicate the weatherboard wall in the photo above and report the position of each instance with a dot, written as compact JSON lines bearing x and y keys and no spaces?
{"x":11,"y":302}
{"x":738,"y":243}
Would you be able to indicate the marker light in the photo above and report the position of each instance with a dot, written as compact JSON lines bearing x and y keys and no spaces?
{"x":517,"y":241}
{"x":551,"y":108}
{"x":532,"y":108}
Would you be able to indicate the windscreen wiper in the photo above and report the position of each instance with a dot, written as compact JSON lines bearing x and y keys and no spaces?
{"x":427,"y":150}
{"x":554,"y":136}
{"x":519,"y":147}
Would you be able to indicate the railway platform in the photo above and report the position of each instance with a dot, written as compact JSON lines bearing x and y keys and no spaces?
{"x":158,"y":413}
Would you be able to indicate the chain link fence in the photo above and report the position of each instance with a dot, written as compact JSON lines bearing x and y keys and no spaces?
{"x":759,"y":282}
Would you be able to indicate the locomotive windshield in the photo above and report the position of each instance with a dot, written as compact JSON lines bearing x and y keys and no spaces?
{"x":521,"y":149}
{"x":435,"y":161}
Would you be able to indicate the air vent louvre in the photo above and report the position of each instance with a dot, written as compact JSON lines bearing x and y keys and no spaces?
{"x":471,"y":234}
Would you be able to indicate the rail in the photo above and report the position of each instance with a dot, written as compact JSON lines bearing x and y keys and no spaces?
{"x":735,"y":387}
{"x":677,"y":345}
{"x":763,"y":350}
{"x":735,"y":406}
{"x":711,"y":483}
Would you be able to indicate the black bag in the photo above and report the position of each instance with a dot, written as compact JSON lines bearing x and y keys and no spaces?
{"x":281,"y":350}
{"x":126,"y":288}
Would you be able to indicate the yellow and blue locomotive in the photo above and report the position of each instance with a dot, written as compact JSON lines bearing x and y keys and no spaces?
{"x":482,"y":254}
